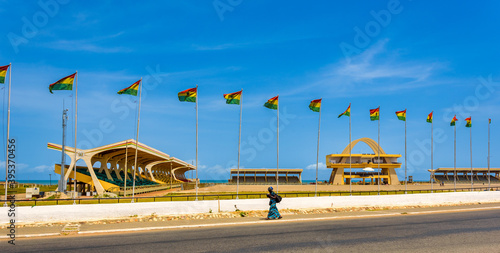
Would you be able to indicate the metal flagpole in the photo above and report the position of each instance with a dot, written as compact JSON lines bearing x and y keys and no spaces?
{"x":125,"y":170}
{"x":489,"y":181}
{"x":76,"y":123}
{"x":239,"y":146}
{"x":471,"y":172}
{"x":62,"y":181}
{"x":137,"y":140}
{"x":196,"y":142}
{"x":278,"y":146}
{"x":378,"y":162}
{"x":406,"y":177}
{"x":455,"y":159}
{"x":350,"y":154}
{"x":317,"y":155}
{"x":7,"y":145}
{"x":432,"y":156}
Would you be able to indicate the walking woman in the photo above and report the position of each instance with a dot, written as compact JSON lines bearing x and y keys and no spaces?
{"x":273,"y":210}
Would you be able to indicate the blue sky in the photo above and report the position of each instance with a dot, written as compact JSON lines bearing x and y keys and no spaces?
{"x":420,"y":55}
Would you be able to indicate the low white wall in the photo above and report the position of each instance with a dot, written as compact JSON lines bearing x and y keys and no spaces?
{"x":87,"y":212}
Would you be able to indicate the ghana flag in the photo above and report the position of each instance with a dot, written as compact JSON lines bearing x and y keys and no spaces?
{"x":3,"y":73}
{"x":429,"y":117}
{"x":401,"y":115}
{"x":272,"y":103}
{"x":131,"y":90}
{"x":489,"y":121}
{"x":454,"y":120}
{"x":65,"y":83}
{"x":375,"y":114}
{"x":469,"y":122}
{"x":188,"y":95}
{"x":347,"y":112}
{"x":233,"y":98}
{"x":315,"y":105}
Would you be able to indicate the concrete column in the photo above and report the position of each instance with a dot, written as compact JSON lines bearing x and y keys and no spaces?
{"x":115,"y":169}
{"x":104,"y":167}
{"x":174,"y":177}
{"x":393,"y":177}
{"x":70,"y":169}
{"x":338,"y":176}
{"x":100,"y":190}
{"x":138,"y":171}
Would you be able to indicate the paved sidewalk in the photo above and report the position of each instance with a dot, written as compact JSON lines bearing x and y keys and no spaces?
{"x":160,"y":223}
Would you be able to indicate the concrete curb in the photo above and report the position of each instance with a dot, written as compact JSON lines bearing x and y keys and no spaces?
{"x":95,"y":212}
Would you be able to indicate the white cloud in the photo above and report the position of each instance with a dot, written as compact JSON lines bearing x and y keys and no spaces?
{"x":217,"y":47}
{"x":88,"y":45}
{"x":18,"y":166}
{"x":219,"y":170}
{"x":271,"y":39}
{"x":42,"y":169}
{"x":321,"y":166}
{"x":193,"y":162}
{"x":375,"y":69}
{"x":216,"y":172}
{"x":376,"y":63}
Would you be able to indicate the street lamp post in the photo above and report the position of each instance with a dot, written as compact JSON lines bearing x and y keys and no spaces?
{"x":50,"y":179}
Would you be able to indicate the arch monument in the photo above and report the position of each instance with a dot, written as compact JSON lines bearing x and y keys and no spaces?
{"x":363,"y":167}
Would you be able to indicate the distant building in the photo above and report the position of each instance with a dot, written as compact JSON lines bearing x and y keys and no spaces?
{"x":255,"y":176}
{"x":463,"y":176}
{"x":339,"y":163}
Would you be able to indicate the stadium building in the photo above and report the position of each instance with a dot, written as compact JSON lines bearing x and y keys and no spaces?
{"x":463,"y":175}
{"x":264,"y":176}
{"x":108,"y":168}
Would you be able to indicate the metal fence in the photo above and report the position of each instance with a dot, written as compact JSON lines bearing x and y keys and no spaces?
{"x":36,"y":202}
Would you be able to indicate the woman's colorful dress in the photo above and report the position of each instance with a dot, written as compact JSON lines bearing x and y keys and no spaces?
{"x":273,"y":210}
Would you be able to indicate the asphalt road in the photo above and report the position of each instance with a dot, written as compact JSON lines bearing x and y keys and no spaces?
{"x":476,"y":231}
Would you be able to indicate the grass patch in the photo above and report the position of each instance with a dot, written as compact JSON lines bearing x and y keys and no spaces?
{"x":22,"y":189}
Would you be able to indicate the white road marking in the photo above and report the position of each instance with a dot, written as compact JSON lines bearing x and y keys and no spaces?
{"x":256,"y":222}
{"x":281,"y":220}
{"x":34,"y":235}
